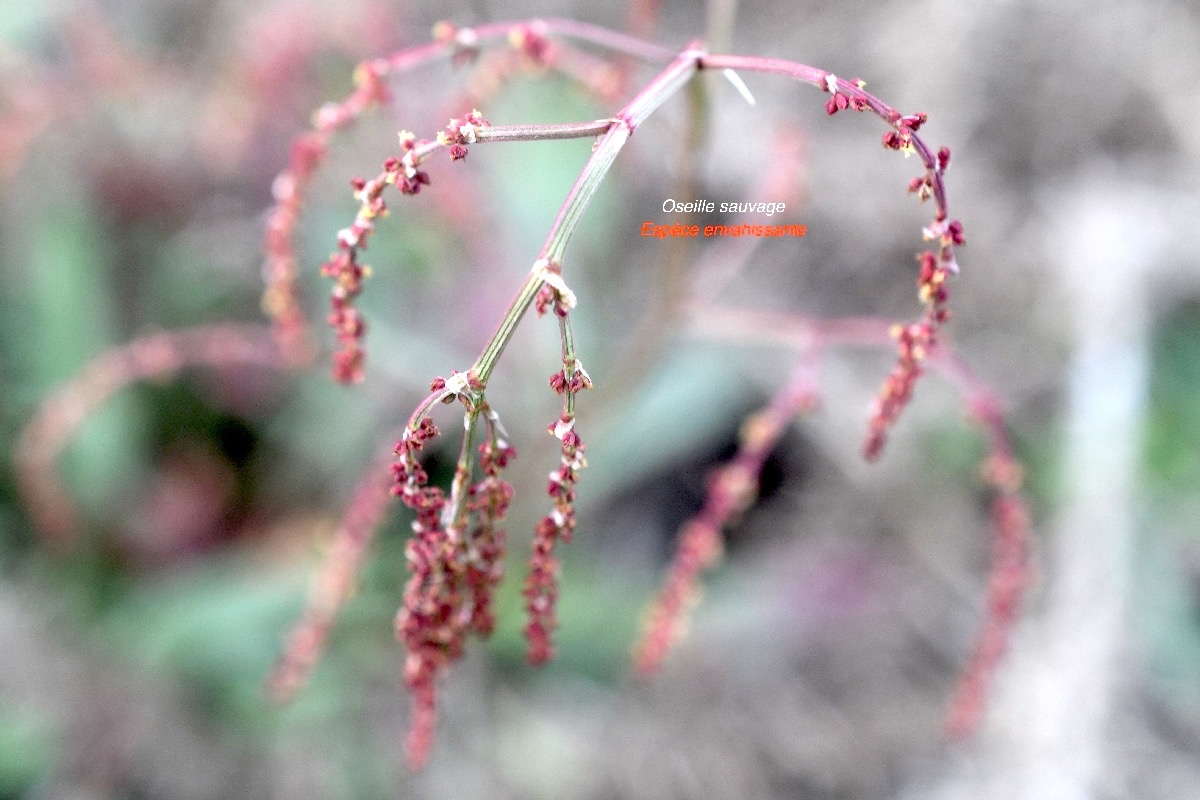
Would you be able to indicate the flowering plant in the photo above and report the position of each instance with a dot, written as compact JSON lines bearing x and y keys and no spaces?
{"x":456,"y":552}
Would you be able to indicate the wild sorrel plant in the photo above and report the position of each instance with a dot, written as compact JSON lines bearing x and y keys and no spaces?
{"x":455,"y":554}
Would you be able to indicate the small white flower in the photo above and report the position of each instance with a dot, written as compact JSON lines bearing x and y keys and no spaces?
{"x":284,"y":187}
{"x":582,"y":373}
{"x":327,"y":115}
{"x":409,"y":162}
{"x":455,"y":384}
{"x":935,"y":230}
{"x":831,"y":83}
{"x":466,"y":37}
{"x":556,"y":282}
{"x":562,"y":427}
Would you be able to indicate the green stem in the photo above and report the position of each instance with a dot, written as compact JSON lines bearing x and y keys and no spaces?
{"x":583,"y":191}
{"x":455,"y":513}
{"x":616,"y":134}
{"x":569,"y":363}
{"x":516,"y":311}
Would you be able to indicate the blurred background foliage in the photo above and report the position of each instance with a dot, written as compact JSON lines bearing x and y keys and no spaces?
{"x":138,"y":142}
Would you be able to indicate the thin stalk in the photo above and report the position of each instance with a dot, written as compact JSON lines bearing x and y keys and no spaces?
{"x":516,"y":311}
{"x":423,"y":407}
{"x":662,"y":312}
{"x":524,"y":133}
{"x":472,"y":36}
{"x":617,"y":133}
{"x":818,"y":77}
{"x":455,"y":513}
{"x":520,"y":133}
{"x":569,"y":363}
{"x":781,"y":329}
{"x":583,"y":191}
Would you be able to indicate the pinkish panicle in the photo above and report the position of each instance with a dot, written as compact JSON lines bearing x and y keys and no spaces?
{"x":430,"y":623}
{"x":541,"y":585}
{"x":731,"y":489}
{"x":698,"y":549}
{"x":915,"y":341}
{"x":489,"y":500}
{"x":453,"y":574}
{"x":281,"y":300}
{"x":348,"y":273}
{"x":530,"y":39}
{"x":156,"y":356}
{"x":1009,"y":577}
{"x":334,"y":583}
{"x":344,"y":266}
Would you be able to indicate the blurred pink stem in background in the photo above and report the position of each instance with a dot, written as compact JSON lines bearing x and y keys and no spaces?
{"x":158,"y":355}
{"x":1051,"y":733}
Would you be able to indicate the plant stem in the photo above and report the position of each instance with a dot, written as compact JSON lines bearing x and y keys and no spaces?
{"x":602,"y":37}
{"x":783,"y":329}
{"x":525,"y":133}
{"x":616,"y":134}
{"x":486,"y":362}
{"x":569,"y":362}
{"x":658,"y":319}
{"x":454,"y":514}
{"x":581,"y":193}
{"x":817,"y":77}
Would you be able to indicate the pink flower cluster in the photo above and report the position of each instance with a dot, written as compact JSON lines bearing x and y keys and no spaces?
{"x":541,"y":584}
{"x":731,"y":489}
{"x":916,"y":340}
{"x":456,"y":551}
{"x":455,"y":564}
{"x":281,"y":300}
{"x":461,"y":132}
{"x":914,"y":343}
{"x":1009,"y":576}
{"x":344,"y":265}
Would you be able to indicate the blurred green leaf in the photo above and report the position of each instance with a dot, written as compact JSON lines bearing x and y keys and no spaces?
{"x":27,"y":751}
{"x":70,"y":316}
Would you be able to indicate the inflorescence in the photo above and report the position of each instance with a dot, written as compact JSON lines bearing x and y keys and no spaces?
{"x":457,"y":546}
{"x":456,"y":551}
